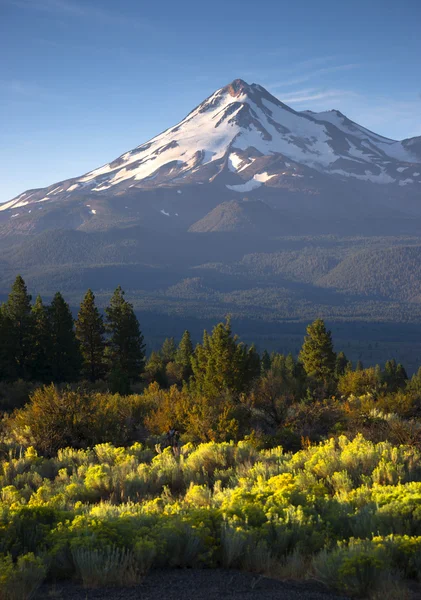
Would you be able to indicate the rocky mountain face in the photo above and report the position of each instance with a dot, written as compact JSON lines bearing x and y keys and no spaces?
{"x":245,"y":207}
{"x":301,"y":171}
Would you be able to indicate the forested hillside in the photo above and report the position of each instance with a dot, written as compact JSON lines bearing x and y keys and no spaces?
{"x":115,"y":461}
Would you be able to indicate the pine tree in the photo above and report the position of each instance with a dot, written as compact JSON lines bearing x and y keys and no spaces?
{"x":401,"y":375}
{"x":317,"y":353}
{"x":66,"y":359}
{"x":394,"y":375}
{"x":168,"y":350}
{"x":184,"y":355}
{"x":90,"y":332}
{"x":223,"y":365}
{"x":265,"y":362}
{"x":341,"y":364}
{"x":17,"y":322}
{"x":155,"y":370}
{"x":125,"y":349}
{"x":41,"y":343}
{"x":7,"y":359}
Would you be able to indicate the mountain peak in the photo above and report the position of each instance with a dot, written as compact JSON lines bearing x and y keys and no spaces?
{"x":238,"y":87}
{"x":242,"y":138}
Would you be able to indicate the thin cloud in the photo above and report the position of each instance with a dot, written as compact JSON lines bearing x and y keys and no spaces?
{"x":86,"y":11}
{"x":27,"y":90}
{"x":315,"y":61}
{"x":311,"y":95}
{"x":312,"y":74}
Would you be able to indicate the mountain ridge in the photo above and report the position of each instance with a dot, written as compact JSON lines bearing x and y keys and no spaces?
{"x":241,"y":140}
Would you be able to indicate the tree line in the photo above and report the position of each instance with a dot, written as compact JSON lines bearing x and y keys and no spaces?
{"x":43,"y":343}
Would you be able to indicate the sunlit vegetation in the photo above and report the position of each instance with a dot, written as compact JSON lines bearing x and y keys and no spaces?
{"x":294,"y":467}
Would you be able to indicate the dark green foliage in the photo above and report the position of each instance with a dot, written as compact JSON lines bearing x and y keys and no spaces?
{"x":8,"y":369}
{"x":17,"y":329}
{"x":394,"y":375}
{"x":342,"y":364}
{"x":66,"y":359}
{"x":155,"y":369}
{"x":125,"y":349}
{"x":42,"y":351}
{"x":90,"y":332}
{"x":317,"y":353}
{"x":184,"y":355}
{"x":265,"y":361}
{"x":222,"y":364}
{"x":118,"y":381}
{"x":168,"y":350}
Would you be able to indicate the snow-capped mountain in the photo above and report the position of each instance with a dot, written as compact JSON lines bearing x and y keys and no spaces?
{"x":239,"y":141}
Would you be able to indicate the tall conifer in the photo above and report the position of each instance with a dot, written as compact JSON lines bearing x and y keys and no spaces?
{"x":184,"y":355}
{"x":90,"y":332}
{"x":317,"y":355}
{"x":66,"y":358}
{"x":222,"y":364}
{"x":125,"y":348}
{"x":17,"y":322}
{"x":41,"y":343}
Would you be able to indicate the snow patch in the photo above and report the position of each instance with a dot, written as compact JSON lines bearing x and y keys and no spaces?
{"x":93,"y":211}
{"x":55,"y":190}
{"x":234,"y":161}
{"x":263,"y":177}
{"x":406,"y":181}
{"x":245,"y":187}
{"x":401,"y":169}
{"x":381,"y":178}
{"x":164,"y":213}
{"x":179,"y":192}
{"x":415,"y":174}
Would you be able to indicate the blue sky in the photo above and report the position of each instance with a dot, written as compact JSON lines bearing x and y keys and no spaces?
{"x":82,"y":81}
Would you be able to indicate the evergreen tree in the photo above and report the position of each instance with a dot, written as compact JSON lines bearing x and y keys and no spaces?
{"x":359,"y":366}
{"x":125,"y":349}
{"x":17,"y":324}
{"x":41,"y":343}
{"x":66,"y":359}
{"x":7,"y":359}
{"x":168,"y":350}
{"x":317,"y":353}
{"x":394,"y":376}
{"x":265,"y":362}
{"x":341,"y":364}
{"x":184,"y":355}
{"x":223,"y":365}
{"x":155,"y":370}
{"x":401,"y":375}
{"x":414,"y":384}
{"x":90,"y":332}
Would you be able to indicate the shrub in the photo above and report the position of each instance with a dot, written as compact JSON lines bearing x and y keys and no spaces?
{"x":20,"y":580}
{"x":109,"y":566}
{"x":234,"y":544}
{"x":356,"y":569}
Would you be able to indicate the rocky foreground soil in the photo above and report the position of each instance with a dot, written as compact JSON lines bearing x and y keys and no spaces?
{"x":195,"y":584}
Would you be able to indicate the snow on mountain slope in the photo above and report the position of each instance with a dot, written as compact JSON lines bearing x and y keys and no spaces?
{"x":242,"y":137}
{"x":391,"y":148}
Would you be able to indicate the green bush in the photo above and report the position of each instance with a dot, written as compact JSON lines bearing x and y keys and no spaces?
{"x":20,"y":580}
{"x":107,"y":566}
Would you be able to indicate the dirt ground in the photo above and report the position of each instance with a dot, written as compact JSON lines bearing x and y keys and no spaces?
{"x":194,"y":584}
